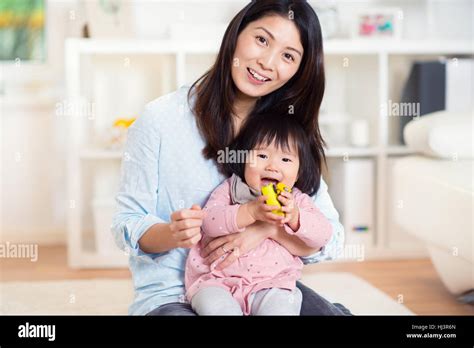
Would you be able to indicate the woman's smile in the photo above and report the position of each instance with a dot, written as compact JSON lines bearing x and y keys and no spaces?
{"x":258,"y":76}
{"x":255,"y":78}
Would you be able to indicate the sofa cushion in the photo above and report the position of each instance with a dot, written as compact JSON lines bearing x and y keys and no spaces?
{"x":442,"y":134}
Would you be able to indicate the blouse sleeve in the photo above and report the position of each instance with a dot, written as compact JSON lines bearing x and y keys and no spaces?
{"x":137,"y":196}
{"x":335,"y":246}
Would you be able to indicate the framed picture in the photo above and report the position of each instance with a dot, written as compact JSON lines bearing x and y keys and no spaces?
{"x":110,"y":18}
{"x":378,"y":23}
{"x":22,"y":30}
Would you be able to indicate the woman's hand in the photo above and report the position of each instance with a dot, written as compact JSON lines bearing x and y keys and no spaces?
{"x":183,"y":231}
{"x":289,"y":207}
{"x":231,"y":246}
{"x":260,"y":211}
{"x":185,"y":226}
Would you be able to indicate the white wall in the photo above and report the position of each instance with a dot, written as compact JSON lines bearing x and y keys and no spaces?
{"x":33,"y":192}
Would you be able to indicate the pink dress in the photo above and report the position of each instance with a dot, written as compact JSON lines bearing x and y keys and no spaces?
{"x":269,"y":265}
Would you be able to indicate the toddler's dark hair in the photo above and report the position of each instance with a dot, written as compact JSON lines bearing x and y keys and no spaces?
{"x":282,"y":130}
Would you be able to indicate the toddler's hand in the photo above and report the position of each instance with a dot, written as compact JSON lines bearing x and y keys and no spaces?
{"x":260,"y":211}
{"x":289,"y":207}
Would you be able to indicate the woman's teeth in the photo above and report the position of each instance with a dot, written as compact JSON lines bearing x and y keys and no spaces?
{"x":257,"y":76}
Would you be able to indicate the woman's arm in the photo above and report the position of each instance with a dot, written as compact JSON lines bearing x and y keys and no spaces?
{"x":135,"y":226}
{"x":184,"y":231}
{"x":136,"y":198}
{"x":334,"y":247}
{"x":157,"y":239}
{"x":240,"y":243}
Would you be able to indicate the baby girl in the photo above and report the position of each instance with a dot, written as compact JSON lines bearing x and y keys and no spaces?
{"x":263,"y":281}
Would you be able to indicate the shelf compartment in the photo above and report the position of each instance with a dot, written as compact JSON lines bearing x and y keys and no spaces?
{"x":341,"y":104}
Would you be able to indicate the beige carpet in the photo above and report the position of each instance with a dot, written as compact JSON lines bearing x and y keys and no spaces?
{"x":112,"y":296}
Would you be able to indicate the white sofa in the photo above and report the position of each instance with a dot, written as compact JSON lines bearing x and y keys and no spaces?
{"x":436,"y":190}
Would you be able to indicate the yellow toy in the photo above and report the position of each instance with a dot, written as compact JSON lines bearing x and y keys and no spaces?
{"x":123,"y":122}
{"x":272,"y":196}
{"x":115,"y":137}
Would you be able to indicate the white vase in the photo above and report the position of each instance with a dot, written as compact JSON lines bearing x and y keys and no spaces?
{"x":360,"y":133}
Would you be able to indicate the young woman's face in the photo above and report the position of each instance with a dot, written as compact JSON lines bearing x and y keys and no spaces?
{"x":271,"y":164}
{"x":267,"y":55}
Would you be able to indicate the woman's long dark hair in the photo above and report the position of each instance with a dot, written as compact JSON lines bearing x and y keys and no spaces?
{"x":283,"y":132}
{"x":302,"y":95}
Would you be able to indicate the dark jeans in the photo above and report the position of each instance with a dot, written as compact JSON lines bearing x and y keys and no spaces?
{"x":313,"y":304}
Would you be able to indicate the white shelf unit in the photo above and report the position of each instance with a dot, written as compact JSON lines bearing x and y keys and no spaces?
{"x":188,"y":60}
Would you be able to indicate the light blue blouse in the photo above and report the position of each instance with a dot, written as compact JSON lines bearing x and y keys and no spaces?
{"x":162,"y":171}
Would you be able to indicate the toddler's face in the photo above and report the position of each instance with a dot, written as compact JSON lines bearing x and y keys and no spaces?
{"x":271,"y":164}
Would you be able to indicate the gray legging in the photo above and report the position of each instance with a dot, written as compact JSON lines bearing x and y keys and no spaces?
{"x":312,"y":304}
{"x":215,"y":300}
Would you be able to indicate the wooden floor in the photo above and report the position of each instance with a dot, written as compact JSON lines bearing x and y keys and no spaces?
{"x":415,"y":280}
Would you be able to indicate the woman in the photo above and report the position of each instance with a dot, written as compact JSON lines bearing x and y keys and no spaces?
{"x":270,"y":60}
